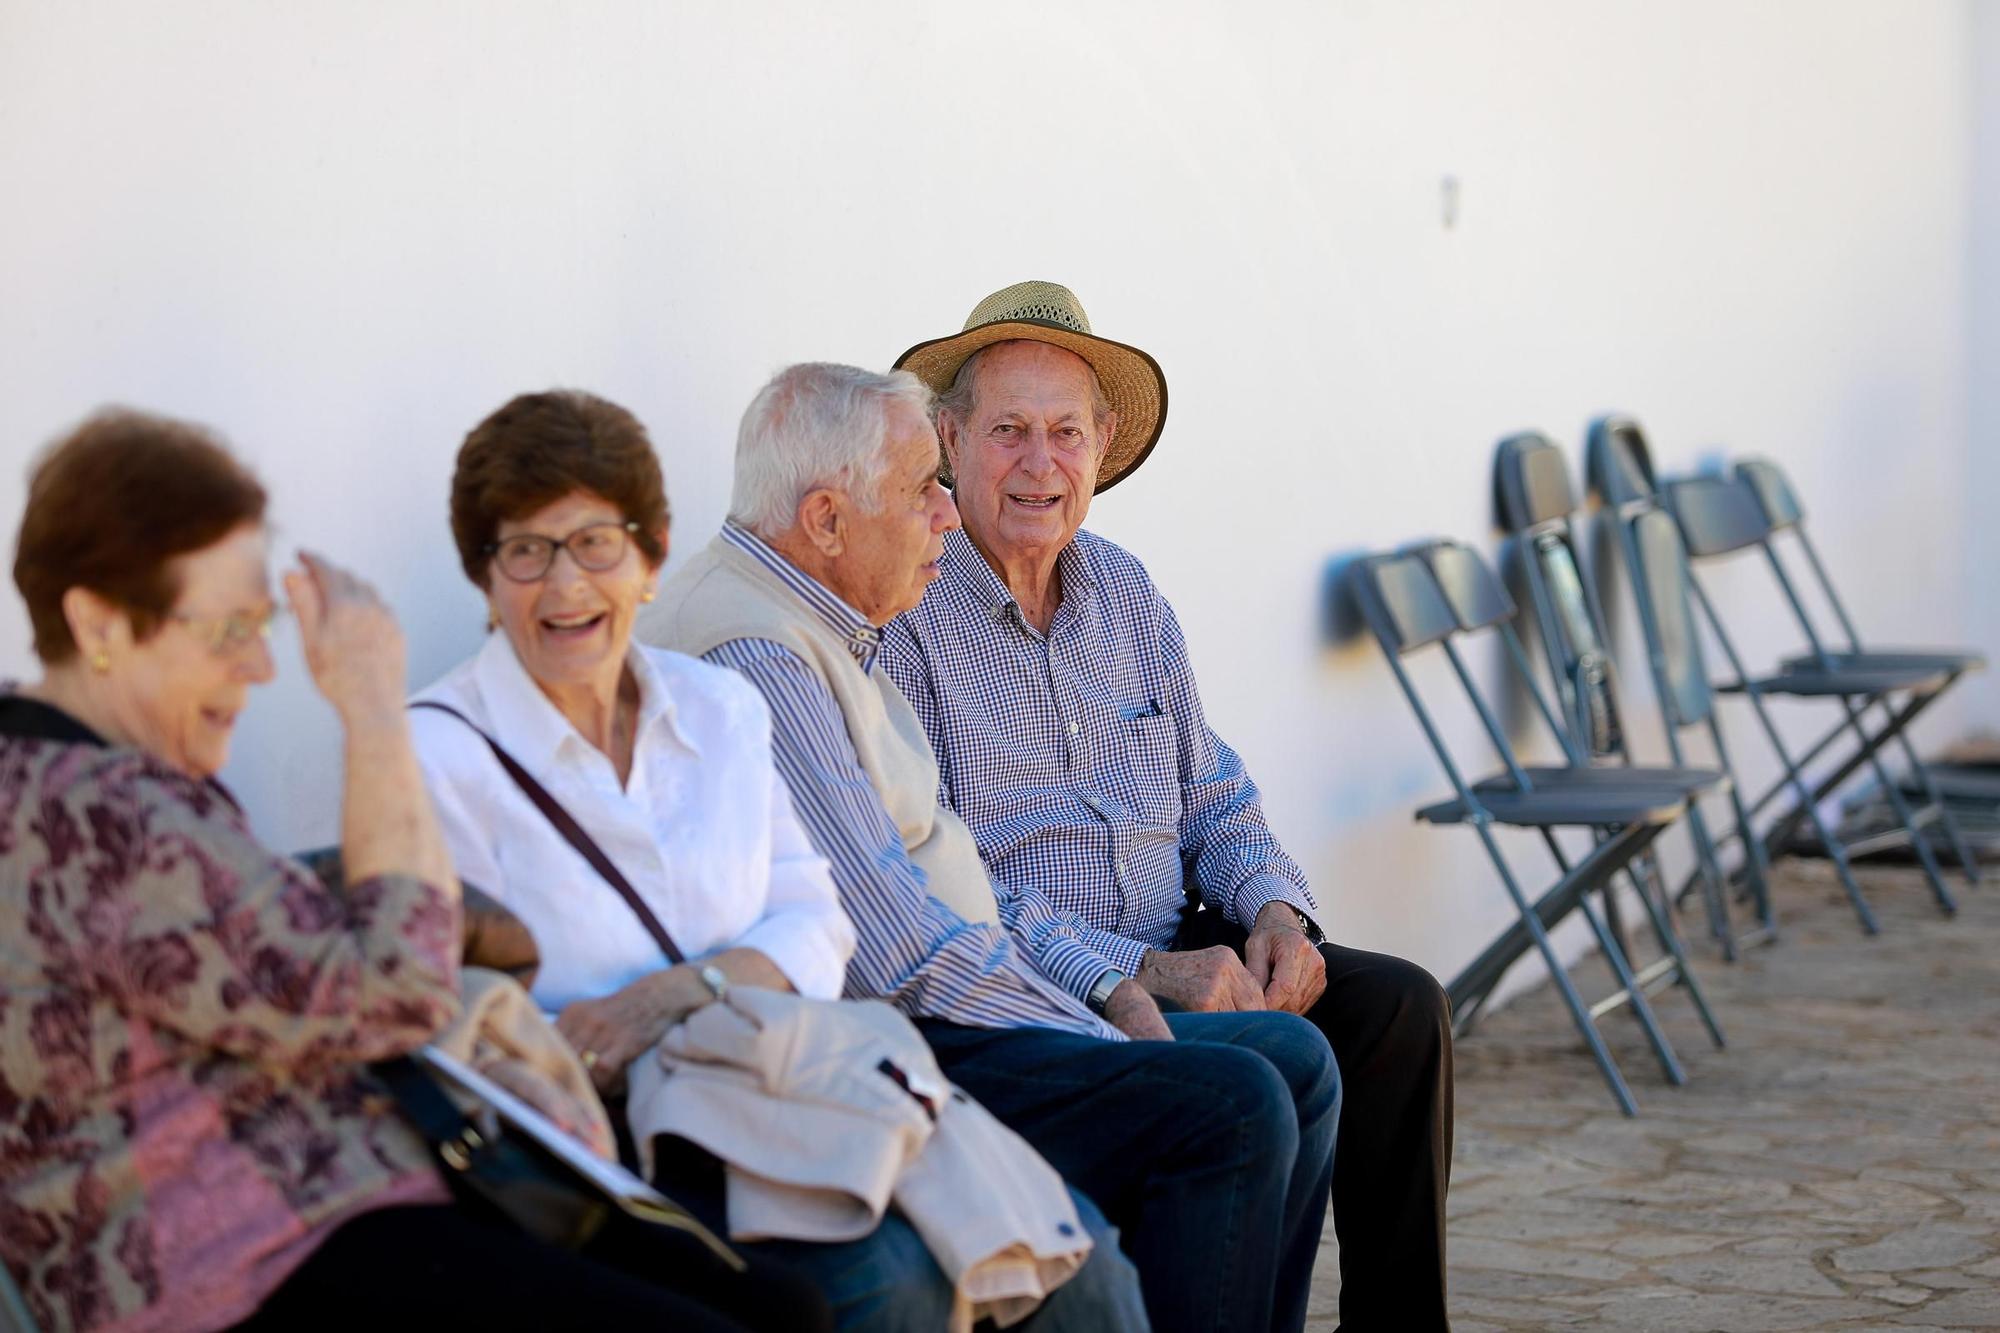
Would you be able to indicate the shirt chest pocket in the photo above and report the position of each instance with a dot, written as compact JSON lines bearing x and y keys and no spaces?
{"x":1146,"y":772}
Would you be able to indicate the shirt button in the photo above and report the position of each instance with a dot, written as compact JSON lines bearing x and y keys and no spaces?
{"x":1120,"y":865}
{"x":1074,"y":728}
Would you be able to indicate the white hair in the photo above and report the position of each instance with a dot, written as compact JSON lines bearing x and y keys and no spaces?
{"x":816,"y":425}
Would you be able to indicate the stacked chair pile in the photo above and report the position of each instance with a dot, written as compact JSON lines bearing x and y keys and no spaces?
{"x":1434,"y":594}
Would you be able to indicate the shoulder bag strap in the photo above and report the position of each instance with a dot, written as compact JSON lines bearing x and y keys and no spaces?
{"x":572,"y":833}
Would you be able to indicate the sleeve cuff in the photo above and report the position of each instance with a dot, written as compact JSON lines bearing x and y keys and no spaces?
{"x":1260,"y":891}
{"x":810,"y":961}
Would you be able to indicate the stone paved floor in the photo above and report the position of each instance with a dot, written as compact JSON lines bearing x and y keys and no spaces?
{"x":1837,"y":1167}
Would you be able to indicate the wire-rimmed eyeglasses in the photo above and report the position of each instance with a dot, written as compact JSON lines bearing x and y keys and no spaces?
{"x":528,"y":556}
{"x":223,"y":635}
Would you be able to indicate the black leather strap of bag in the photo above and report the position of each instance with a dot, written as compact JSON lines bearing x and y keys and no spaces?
{"x":572,"y":833}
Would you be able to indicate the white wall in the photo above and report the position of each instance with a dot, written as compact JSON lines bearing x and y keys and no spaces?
{"x":343,"y":232}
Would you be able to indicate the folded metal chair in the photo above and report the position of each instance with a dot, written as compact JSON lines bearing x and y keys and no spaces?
{"x":1535,"y":505}
{"x":1785,"y":515}
{"x":1658,"y":545}
{"x":1432,"y":596}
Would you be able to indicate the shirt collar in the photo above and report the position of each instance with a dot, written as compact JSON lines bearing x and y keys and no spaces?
{"x":863,"y":639}
{"x":963,"y":562}
{"x":527,"y":723}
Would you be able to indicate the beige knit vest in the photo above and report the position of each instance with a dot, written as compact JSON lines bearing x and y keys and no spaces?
{"x":724,"y":594}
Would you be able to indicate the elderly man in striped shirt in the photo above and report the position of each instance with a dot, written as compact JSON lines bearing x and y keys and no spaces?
{"x":1054,"y":683}
{"x":1210,"y":1143}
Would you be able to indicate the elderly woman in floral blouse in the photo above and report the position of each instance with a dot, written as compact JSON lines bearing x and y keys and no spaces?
{"x":187,"y":1132}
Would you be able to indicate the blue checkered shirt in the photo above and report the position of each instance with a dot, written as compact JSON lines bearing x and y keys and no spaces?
{"x":1082,"y":762}
{"x":913,"y":950}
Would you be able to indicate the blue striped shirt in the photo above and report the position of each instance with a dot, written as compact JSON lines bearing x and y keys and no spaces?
{"x":913,"y":950}
{"x":1081,"y":760}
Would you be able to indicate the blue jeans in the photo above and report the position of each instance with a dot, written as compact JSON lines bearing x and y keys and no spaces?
{"x":887,"y":1282}
{"x":1213,"y":1153}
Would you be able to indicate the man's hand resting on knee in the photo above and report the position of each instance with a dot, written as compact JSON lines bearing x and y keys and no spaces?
{"x":1206,"y":981}
{"x":1285,"y":965}
{"x":1132,"y":1011}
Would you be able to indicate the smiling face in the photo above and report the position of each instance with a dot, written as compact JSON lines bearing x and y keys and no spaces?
{"x":1024,"y":459}
{"x":176,"y":695}
{"x":890,"y":553}
{"x":571,"y":627}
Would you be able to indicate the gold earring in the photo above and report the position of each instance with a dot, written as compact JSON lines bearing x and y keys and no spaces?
{"x":100,"y":662}
{"x":492,"y":619}
{"x":647,"y":595}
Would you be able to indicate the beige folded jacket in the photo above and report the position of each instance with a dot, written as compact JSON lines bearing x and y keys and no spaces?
{"x":793,"y":1095}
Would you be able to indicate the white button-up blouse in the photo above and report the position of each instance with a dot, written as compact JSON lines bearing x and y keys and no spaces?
{"x":704,"y":829}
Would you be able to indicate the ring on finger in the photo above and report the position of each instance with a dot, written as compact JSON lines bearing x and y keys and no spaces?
{"x":588,"y":1058}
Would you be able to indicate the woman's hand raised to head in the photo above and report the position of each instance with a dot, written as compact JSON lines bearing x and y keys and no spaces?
{"x":352,"y":643}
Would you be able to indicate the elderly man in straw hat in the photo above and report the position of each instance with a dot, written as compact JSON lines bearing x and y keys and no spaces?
{"x":1211,"y":1145}
{"x":1054,"y":683}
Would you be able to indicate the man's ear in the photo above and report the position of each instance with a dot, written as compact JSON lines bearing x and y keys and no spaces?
{"x":95,"y":624}
{"x":947,"y":426}
{"x":822,"y":520}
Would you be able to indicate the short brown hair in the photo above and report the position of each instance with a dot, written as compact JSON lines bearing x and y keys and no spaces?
{"x":110,"y":504}
{"x":541,"y":447}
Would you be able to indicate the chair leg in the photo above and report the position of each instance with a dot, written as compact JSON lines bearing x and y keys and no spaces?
{"x":1967,"y":862}
{"x":1578,"y":1011}
{"x":1755,"y":867}
{"x":1872,"y":747}
{"x":1621,"y":968}
{"x":1656,"y":906}
{"x":1834,"y":851}
{"x":1713,"y":895}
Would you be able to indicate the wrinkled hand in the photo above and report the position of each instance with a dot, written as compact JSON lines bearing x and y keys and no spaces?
{"x":1283,"y":961}
{"x":543,"y":1093}
{"x":352,"y":643}
{"x":611,"y":1033}
{"x":1131,"y":1010}
{"x":1206,"y":981}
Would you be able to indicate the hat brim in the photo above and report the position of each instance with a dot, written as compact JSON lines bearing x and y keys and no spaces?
{"x":1131,"y":379}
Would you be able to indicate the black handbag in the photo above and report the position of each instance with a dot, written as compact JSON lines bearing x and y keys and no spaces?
{"x":515,"y":1170}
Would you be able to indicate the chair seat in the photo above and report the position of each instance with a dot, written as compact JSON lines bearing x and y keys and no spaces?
{"x":1575,"y":801}
{"x":1623,"y":777}
{"x":1894,"y":659}
{"x":1811,"y":682}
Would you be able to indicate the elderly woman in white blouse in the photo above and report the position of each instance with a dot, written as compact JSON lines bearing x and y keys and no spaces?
{"x":664,"y":765}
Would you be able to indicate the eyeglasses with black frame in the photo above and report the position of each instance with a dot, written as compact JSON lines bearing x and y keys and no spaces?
{"x":528,"y":556}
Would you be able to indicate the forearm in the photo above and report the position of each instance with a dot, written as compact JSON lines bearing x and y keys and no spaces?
{"x":387,"y":824}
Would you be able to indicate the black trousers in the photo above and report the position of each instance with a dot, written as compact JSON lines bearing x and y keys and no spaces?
{"x":1389,"y":1024}
{"x":443,"y":1266}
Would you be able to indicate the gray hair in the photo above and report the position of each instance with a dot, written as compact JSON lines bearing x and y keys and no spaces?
{"x":814,"y":425}
{"x":958,"y":399}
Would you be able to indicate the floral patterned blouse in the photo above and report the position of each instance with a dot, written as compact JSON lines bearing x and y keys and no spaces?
{"x":183,"y":1014}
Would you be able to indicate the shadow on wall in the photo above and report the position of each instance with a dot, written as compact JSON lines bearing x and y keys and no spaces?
{"x":1341,"y":626}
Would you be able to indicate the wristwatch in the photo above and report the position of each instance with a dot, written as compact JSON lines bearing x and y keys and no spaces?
{"x":713,"y":978}
{"x":1100,"y":993}
{"x":1307,"y":925}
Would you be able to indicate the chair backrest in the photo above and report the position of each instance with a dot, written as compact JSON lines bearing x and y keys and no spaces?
{"x":1774,"y":494}
{"x":1532,"y":490}
{"x":1717,"y":515}
{"x":1530,"y":482}
{"x":1662,"y":579}
{"x":1617,"y":463}
{"x":1401,"y":601}
{"x":1477,"y":598}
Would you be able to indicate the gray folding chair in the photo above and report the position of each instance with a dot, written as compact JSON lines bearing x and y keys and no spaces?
{"x":1431,"y":596}
{"x":1657,"y":546}
{"x":1535,"y":504}
{"x":1784,"y":514}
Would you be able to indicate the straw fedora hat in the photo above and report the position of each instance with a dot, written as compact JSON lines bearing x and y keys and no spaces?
{"x":1050,"y":313}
